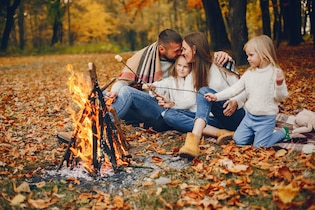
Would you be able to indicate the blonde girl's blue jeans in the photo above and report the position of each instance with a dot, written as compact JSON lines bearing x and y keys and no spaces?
{"x":258,"y":130}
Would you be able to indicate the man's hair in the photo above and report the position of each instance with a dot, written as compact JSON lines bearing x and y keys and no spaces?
{"x":169,"y":35}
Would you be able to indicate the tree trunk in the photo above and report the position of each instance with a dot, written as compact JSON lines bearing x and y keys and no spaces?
{"x":264,"y":6}
{"x":131,"y":36}
{"x":21,"y":25}
{"x":312,"y":17}
{"x":218,"y":35}
{"x":9,"y":22}
{"x":277,"y":32}
{"x":239,"y":33}
{"x":57,"y":15}
{"x":292,"y":21}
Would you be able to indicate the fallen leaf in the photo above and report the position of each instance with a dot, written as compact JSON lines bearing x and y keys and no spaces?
{"x":17,"y":200}
{"x":24,"y":187}
{"x":280,"y":153}
{"x":287,"y":193}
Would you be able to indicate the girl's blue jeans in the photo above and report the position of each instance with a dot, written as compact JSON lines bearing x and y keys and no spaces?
{"x":258,"y":130}
{"x":183,"y":120}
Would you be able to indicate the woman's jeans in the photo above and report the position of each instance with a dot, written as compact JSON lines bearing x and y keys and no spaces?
{"x":183,"y":120}
{"x":139,"y":106}
{"x":259,"y":128}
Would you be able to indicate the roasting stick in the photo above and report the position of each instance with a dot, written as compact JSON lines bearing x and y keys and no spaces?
{"x":119,"y":59}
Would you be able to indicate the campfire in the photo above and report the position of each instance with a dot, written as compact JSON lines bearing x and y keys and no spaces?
{"x":97,"y":142}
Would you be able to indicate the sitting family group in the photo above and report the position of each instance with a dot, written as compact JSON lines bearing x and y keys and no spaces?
{"x":185,"y":89}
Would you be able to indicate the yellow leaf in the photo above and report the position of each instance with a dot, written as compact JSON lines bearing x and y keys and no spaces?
{"x":24,"y":187}
{"x":41,"y":203}
{"x":280,"y":153}
{"x":287,"y":193}
{"x":17,"y":200}
{"x":119,"y":201}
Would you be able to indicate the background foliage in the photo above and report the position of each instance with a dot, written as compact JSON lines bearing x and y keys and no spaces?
{"x":48,"y":26}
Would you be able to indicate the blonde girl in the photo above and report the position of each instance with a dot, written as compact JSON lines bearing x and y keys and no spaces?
{"x":265,"y":87}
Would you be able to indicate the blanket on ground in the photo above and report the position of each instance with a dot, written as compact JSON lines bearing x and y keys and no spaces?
{"x":304,"y":142}
{"x":300,"y":142}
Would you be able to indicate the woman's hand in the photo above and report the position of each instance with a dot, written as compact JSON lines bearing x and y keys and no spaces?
{"x":210,"y":97}
{"x":229,"y":107}
{"x":221,"y":58}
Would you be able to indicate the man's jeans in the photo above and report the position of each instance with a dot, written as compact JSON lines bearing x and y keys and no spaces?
{"x":133,"y":104}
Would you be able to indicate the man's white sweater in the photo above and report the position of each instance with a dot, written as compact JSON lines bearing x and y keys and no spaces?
{"x":262,"y":93}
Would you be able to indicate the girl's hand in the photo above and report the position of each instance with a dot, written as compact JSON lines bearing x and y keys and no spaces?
{"x":279,"y":77}
{"x":148,"y":86}
{"x":210,"y":97}
{"x":164,"y":102}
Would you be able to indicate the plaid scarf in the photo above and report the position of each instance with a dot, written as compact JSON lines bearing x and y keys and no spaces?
{"x":147,"y":63}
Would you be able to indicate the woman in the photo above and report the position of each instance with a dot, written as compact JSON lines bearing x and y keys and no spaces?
{"x":225,"y":115}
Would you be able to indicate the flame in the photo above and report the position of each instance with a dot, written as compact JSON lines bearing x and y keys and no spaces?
{"x":83,"y":114}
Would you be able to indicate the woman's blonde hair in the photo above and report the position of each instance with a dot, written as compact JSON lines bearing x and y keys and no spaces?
{"x":265,"y":49}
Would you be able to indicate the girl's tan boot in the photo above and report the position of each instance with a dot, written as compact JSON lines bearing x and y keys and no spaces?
{"x":191,"y":147}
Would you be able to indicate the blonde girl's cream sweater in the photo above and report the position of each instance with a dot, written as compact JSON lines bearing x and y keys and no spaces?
{"x":262,"y":93}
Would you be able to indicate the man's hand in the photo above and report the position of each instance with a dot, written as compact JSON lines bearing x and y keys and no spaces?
{"x":229,"y":107}
{"x":221,"y":58}
{"x":111,"y":95}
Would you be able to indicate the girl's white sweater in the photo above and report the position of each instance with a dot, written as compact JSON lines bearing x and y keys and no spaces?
{"x":178,"y":90}
{"x":262,"y":93}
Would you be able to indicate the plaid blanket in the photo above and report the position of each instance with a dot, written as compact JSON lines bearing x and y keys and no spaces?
{"x":300,"y":142}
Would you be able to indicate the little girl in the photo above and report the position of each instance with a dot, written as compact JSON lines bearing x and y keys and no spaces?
{"x":177,"y":90}
{"x":265,"y":86}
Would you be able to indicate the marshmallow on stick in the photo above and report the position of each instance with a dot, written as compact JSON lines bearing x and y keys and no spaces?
{"x":145,"y":85}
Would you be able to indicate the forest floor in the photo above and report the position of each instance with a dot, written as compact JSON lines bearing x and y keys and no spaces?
{"x":34,"y":107}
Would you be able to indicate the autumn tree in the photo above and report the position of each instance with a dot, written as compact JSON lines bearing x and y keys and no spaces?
{"x":21,"y":25}
{"x":90,"y":22}
{"x":10,"y":11}
{"x":265,"y":15}
{"x":291,"y":10}
{"x":238,"y":29}
{"x":219,"y":38}
{"x":55,"y":16}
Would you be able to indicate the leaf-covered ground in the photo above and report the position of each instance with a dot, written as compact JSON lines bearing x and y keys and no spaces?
{"x":33,"y":109}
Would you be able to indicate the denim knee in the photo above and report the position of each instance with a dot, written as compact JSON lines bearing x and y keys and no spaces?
{"x":205,"y":90}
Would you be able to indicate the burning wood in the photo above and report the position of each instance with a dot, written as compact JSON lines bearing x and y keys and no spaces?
{"x":97,"y":143}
